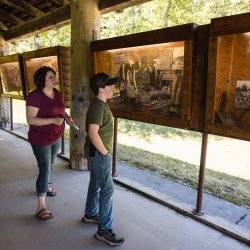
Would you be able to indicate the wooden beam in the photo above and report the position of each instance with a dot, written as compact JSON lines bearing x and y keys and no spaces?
{"x":3,"y":26}
{"x":23,"y":6}
{"x":5,"y":16}
{"x":57,"y":3}
{"x":26,"y":7}
{"x":54,"y":17}
{"x":106,"y":6}
{"x":9,"y":3}
{"x":230,"y":24}
{"x":171,"y":34}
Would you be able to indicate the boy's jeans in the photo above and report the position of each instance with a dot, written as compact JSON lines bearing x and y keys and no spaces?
{"x":100,"y":191}
{"x":45,"y":156}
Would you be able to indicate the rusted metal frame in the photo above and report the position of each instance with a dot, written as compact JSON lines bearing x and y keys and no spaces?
{"x":62,"y":145}
{"x":200,"y":77}
{"x":199,"y":201}
{"x":114,"y":166}
{"x":11,"y":114}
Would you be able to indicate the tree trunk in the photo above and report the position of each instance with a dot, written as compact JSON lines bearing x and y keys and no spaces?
{"x":85,"y":24}
{"x":4,"y":102}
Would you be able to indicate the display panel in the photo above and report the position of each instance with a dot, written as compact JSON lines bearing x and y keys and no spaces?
{"x":232,"y":92}
{"x":32,"y":65}
{"x":150,"y":77}
{"x":156,"y":74}
{"x":228,"y":91}
{"x":11,"y":80}
{"x":57,"y":58}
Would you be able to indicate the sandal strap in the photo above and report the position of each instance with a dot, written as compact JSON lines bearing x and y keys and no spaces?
{"x":44,"y":214}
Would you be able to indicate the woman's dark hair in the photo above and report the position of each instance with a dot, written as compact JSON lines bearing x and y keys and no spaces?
{"x":39,"y":76}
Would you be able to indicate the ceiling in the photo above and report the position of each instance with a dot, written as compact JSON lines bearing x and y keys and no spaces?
{"x":20,"y":17}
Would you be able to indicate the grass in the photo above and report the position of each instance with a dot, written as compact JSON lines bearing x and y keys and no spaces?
{"x":144,"y":130}
{"x":224,"y":186}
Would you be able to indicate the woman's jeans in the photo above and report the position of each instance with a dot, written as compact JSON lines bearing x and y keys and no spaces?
{"x":100,"y":191}
{"x":45,"y":156}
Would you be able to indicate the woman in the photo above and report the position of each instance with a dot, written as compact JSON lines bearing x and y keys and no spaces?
{"x":45,"y":114}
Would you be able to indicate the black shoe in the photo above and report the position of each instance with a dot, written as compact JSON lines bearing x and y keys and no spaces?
{"x":109,"y":237}
{"x":90,"y":219}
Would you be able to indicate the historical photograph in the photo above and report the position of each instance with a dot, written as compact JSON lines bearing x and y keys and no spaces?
{"x":150,"y":77}
{"x":242,"y":96}
{"x":11,"y":79}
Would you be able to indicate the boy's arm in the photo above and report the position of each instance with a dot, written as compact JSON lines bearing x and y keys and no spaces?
{"x":96,"y":139}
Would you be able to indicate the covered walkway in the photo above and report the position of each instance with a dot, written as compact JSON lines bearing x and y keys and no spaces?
{"x":143,"y":223}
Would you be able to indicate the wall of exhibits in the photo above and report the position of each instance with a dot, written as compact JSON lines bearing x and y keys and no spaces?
{"x":188,"y":76}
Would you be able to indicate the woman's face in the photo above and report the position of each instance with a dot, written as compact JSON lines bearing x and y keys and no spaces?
{"x":50,"y":79}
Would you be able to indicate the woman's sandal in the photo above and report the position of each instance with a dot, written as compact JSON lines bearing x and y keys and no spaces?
{"x":51,"y":192}
{"x":44,"y":214}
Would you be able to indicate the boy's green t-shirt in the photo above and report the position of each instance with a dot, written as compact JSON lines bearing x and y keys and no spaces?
{"x":100,"y":113}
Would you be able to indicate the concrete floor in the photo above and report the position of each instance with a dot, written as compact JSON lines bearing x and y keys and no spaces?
{"x":144,"y":224}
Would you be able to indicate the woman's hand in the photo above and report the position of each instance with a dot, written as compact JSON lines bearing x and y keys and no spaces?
{"x":57,"y":121}
{"x":69,"y":120}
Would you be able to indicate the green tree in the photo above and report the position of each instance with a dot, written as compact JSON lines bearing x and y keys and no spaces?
{"x":151,"y":15}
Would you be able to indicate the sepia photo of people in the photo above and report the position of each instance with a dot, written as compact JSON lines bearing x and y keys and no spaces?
{"x":239,"y":116}
{"x":150,"y":77}
{"x":242,"y":97}
{"x":11,"y":78}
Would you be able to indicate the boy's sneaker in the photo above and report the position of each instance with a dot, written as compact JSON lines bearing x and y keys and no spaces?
{"x":90,"y":219}
{"x":109,"y":237}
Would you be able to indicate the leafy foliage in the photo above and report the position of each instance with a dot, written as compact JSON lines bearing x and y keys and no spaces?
{"x":151,"y":15}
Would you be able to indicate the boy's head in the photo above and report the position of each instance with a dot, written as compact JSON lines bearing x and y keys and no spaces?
{"x":101,"y":80}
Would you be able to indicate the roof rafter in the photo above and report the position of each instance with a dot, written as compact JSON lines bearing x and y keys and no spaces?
{"x":106,"y":6}
{"x":57,"y":3}
{"x":3,"y":26}
{"x":7,"y":17}
{"x":9,"y":3}
{"x":28,"y":8}
{"x":52,"y":18}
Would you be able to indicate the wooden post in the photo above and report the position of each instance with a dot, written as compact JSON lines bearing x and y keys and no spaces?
{"x":85,"y":24}
{"x":4,"y":102}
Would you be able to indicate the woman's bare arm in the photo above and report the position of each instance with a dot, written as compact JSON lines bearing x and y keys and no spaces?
{"x":32,"y":119}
